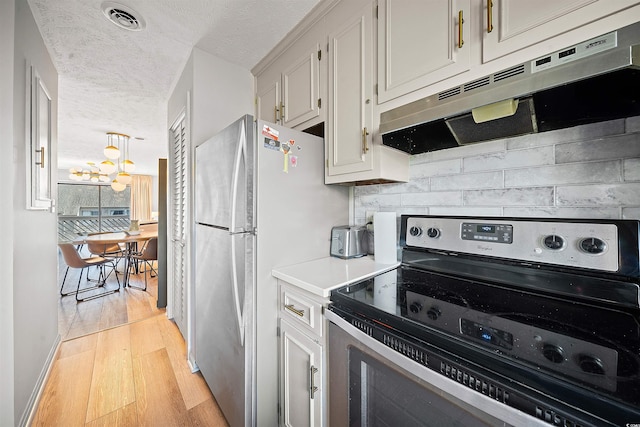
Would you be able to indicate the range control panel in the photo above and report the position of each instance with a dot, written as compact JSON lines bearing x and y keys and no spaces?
{"x":575,"y":244}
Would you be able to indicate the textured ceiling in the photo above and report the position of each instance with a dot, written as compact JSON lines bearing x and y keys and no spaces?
{"x":114,"y":80}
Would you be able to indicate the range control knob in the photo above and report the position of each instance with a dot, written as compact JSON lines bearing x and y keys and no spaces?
{"x":593,"y":245}
{"x":554,"y":242}
{"x":432,"y":232}
{"x":415,"y":307}
{"x":433,"y":313}
{"x":415,"y":231}
{"x":553,"y":353}
{"x":591,"y":364}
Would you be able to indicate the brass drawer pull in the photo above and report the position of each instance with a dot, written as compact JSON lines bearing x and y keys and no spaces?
{"x":489,"y":16}
{"x":293,"y":309}
{"x":460,"y":22}
{"x":312,"y":373}
{"x":41,"y":162}
{"x":365,"y":146}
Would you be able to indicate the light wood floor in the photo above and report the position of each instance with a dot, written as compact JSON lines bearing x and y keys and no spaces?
{"x":86,"y":317}
{"x":131,"y":375}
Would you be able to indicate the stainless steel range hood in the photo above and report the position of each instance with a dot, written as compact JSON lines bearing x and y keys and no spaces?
{"x":592,"y":81}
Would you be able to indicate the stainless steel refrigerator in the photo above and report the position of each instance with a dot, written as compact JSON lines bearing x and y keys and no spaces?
{"x":260,"y":202}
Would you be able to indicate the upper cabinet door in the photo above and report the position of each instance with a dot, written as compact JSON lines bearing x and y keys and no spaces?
{"x":288,"y":93}
{"x":268,"y":102}
{"x":301,"y":88}
{"x":517,"y":24}
{"x":350,"y":92}
{"x":421,"y":42}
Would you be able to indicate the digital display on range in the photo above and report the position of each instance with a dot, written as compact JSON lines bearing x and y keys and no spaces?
{"x":498,"y":233}
{"x":486,"y":228}
{"x":484,"y":333}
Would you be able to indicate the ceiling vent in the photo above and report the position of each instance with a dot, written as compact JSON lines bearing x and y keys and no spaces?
{"x":123,"y":16}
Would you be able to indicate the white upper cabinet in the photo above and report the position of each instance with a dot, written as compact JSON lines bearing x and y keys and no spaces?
{"x":301,"y":89}
{"x":350,"y":95}
{"x":268,"y":100}
{"x":292,"y":96}
{"x":354,"y":151}
{"x":518,"y":24}
{"x":421,"y":42}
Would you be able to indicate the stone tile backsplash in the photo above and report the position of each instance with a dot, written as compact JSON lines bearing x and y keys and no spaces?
{"x":590,"y":171}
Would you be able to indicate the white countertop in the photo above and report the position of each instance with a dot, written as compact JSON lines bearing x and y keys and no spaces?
{"x":321,"y":276}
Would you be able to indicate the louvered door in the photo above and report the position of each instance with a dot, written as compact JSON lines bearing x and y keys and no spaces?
{"x":178,"y":224}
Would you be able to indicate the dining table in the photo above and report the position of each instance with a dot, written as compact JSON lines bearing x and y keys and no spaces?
{"x":129,"y":238}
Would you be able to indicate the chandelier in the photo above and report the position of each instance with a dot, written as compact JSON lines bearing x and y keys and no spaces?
{"x":117,"y":148}
{"x":91,"y":173}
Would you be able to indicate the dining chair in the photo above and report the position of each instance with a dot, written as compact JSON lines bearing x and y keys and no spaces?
{"x":147,"y":255}
{"x":73,"y":260}
{"x":106,"y":250}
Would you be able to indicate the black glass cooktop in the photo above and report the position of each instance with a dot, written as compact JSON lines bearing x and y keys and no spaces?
{"x":594,"y":346}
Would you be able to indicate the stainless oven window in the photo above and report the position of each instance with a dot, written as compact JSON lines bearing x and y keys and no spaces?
{"x":368,"y":390}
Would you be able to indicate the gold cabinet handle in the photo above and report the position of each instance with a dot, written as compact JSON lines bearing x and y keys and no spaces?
{"x":489,"y":16}
{"x":293,"y":309}
{"x":365,"y":146}
{"x":282,"y":116}
{"x":275,"y":114}
{"x":460,"y":23}
{"x":312,"y":374}
{"x":41,"y":162}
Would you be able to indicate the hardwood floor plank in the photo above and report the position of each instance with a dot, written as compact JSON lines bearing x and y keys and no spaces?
{"x":141,"y":304}
{"x":158,"y":399}
{"x":123,"y":417}
{"x":86,"y":316}
{"x":146,"y":337}
{"x":207,"y":414}
{"x":193,"y":387}
{"x":138,"y":304}
{"x":96,"y":380}
{"x":114,"y":312}
{"x":65,"y":396}
{"x":77,"y":346}
{"x":112,"y":385}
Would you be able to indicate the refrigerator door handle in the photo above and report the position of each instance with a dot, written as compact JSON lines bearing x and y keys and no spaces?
{"x":236,"y":176}
{"x":232,"y":229}
{"x":236,"y":293}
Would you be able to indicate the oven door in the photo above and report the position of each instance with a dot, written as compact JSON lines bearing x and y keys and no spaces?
{"x":372,"y":385}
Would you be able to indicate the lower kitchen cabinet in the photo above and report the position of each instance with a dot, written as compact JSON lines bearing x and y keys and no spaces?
{"x":302,"y":358}
{"x":301,"y":373}
{"x":304,"y":292}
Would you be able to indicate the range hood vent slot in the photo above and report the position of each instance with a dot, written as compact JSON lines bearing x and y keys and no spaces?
{"x":477,"y":84}
{"x":596,"y":81}
{"x":507,"y":74}
{"x":449,"y":93}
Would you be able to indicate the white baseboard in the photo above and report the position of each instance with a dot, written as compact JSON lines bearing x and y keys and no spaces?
{"x":32,"y":405}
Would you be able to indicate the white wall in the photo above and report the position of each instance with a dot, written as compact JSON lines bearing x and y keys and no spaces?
{"x":222,"y":93}
{"x":35,"y":314}
{"x":178,"y":99}
{"x":7,"y":20}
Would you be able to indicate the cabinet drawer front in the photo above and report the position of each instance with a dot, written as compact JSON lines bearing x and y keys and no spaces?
{"x":301,"y":310}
